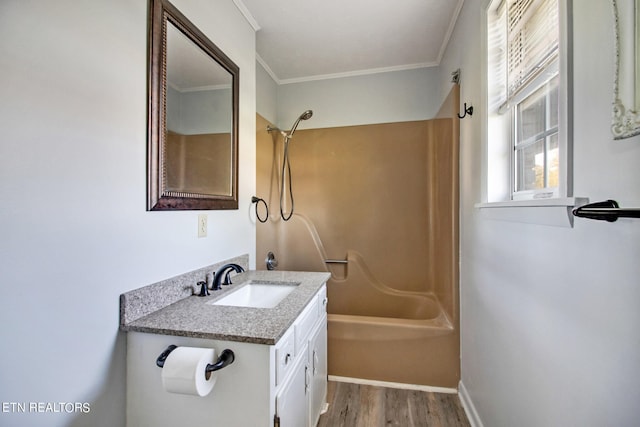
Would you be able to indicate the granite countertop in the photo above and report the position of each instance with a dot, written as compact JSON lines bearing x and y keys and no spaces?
{"x":193,"y":317}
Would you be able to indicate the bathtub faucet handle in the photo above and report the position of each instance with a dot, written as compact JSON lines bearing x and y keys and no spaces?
{"x":271,"y":261}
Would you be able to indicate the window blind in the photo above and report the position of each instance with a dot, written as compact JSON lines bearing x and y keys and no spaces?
{"x":532,"y":39}
{"x":497,"y":54}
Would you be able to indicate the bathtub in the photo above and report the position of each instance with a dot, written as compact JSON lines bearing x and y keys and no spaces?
{"x":393,"y":318}
{"x":382,"y":334}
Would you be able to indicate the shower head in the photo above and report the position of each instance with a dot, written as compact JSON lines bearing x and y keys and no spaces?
{"x":304,"y":116}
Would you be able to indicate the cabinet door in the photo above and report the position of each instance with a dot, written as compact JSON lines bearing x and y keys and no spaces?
{"x":318,"y":367}
{"x":292,"y":401}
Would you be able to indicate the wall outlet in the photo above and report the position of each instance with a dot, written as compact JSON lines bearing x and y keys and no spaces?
{"x":202,"y":225}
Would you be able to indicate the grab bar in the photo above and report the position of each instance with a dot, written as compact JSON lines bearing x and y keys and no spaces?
{"x":336,"y":261}
{"x":606,"y":211}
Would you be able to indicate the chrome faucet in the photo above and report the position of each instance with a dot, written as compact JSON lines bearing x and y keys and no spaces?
{"x":217,"y":277}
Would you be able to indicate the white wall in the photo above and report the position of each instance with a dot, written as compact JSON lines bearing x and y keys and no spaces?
{"x":266,"y":95}
{"x":198,"y":112}
{"x":396,"y":96}
{"x":75,"y":233}
{"x":550,"y":315}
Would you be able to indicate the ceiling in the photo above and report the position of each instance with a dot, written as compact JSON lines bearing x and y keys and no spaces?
{"x":300,"y":40}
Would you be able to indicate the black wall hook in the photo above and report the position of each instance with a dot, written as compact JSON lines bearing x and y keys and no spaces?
{"x":467,"y":110}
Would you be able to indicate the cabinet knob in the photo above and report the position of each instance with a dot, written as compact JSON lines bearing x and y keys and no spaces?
{"x":287,"y":358}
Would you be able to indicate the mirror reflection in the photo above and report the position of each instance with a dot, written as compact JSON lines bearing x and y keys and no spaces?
{"x":199,"y":98}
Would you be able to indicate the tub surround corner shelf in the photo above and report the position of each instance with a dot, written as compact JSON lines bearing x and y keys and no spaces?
{"x":279,"y":376}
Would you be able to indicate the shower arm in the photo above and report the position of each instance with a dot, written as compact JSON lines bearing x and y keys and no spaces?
{"x":304,"y":116}
{"x":273,"y":128}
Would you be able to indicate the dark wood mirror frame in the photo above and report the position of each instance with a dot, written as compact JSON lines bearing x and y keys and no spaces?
{"x":158,"y":197}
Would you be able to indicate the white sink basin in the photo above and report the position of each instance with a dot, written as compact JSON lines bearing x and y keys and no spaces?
{"x":258,"y":294}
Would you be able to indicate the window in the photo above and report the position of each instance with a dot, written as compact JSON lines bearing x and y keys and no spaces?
{"x":536,"y":140}
{"x":527,"y":98}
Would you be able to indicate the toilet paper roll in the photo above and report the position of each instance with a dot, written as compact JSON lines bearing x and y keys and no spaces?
{"x":184,"y":371}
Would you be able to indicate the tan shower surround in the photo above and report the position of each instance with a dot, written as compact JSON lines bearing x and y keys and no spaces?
{"x":385,"y":196}
{"x":208,"y":156}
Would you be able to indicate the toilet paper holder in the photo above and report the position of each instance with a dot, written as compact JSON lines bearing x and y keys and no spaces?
{"x":226,"y":358}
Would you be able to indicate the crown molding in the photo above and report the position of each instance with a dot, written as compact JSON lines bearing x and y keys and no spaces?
{"x":247,"y":15}
{"x":357,"y":73}
{"x":267,"y":69}
{"x":452,"y":26}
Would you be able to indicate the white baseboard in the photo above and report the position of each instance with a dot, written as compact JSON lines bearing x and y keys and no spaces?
{"x":469,"y":408}
{"x":393,"y":385}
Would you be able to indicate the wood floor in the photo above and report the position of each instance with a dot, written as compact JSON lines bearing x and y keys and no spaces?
{"x":355,"y":405}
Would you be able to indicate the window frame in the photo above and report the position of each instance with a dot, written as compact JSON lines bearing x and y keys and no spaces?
{"x":499,"y":130}
{"x":547,"y":191}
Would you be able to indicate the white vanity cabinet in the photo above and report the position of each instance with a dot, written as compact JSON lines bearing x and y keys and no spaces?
{"x":292,"y":400}
{"x":267,"y":385}
{"x":317,"y":364}
{"x":302,"y":396}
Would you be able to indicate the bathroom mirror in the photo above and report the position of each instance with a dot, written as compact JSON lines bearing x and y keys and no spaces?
{"x":192,"y":147}
{"x":626,"y":102}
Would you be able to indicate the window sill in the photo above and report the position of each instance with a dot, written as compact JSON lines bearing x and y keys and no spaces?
{"x":553,"y":212}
